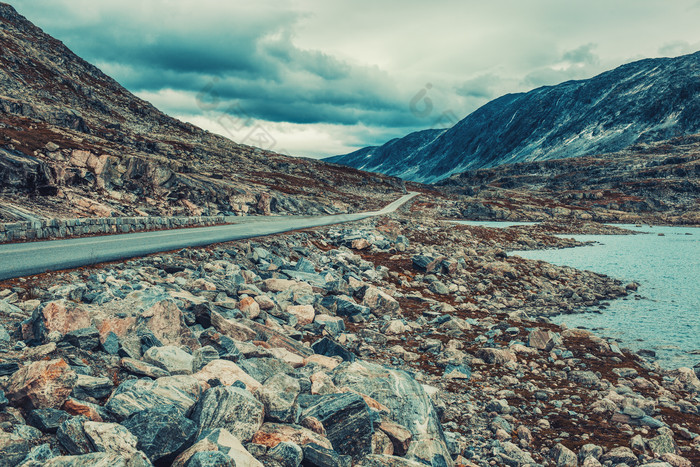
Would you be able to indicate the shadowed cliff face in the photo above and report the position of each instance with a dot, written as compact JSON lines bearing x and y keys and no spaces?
{"x":645,"y":101}
{"x":87,"y":146}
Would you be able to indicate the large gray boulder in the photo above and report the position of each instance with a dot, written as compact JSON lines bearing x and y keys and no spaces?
{"x":347,"y":421}
{"x":410,"y":406}
{"x":135,"y":395}
{"x":162,"y":432}
{"x":231,"y":408}
{"x":279,"y":396}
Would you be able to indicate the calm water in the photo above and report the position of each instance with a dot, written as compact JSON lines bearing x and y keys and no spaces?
{"x":494,"y":224}
{"x":667,"y":319}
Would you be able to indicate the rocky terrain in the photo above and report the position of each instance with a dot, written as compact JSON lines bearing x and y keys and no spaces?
{"x":655,"y":183}
{"x":398,"y":341}
{"x":640,"y":102}
{"x":74,"y":143}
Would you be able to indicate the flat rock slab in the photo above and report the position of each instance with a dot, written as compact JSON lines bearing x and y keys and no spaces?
{"x":170,"y":358}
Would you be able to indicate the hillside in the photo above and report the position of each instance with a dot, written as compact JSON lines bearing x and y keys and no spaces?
{"x":656,"y":183}
{"x":640,"y":102}
{"x":75,"y":143}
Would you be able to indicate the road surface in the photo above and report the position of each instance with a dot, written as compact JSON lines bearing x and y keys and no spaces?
{"x":23,"y":259}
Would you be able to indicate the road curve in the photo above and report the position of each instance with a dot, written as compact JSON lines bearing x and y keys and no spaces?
{"x":24,"y":259}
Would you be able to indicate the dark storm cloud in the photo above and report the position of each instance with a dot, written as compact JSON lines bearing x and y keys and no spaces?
{"x":483,"y":86}
{"x":250,"y":60}
{"x":331,"y":76}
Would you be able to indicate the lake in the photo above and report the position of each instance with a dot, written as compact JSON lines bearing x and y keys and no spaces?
{"x":667,"y":318}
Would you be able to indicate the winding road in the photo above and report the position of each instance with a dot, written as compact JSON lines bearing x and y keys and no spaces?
{"x":24,"y":259}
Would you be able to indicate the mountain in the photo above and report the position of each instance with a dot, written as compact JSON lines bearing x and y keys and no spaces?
{"x":73,"y":143}
{"x":644,"y":101}
{"x":402,"y":157}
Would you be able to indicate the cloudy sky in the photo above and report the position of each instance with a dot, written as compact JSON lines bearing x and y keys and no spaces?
{"x":327,"y":77}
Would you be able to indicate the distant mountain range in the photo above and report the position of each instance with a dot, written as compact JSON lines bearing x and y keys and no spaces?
{"x":640,"y":102}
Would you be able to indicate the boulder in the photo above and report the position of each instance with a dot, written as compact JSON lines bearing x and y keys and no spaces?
{"x":232,"y":328}
{"x":110,"y":438}
{"x":94,"y":459}
{"x":496,"y":356}
{"x":563,"y":456}
{"x":62,"y":316}
{"x":333,"y":325}
{"x":138,"y":367}
{"x":399,"y":436}
{"x":136,"y":395}
{"x":426,"y":264}
{"x":91,"y":386}
{"x":271,"y":434}
{"x":541,"y":339}
{"x":382,"y":460}
{"x":316,"y":455}
{"x":47,"y":420}
{"x":210,"y":459}
{"x":408,"y":402}
{"x":304,"y":314}
{"x":223,"y":344}
{"x":163,"y":432}
{"x":226,"y":373}
{"x":92,"y":411}
{"x":71,"y":435}
{"x":202,"y":356}
{"x":231,"y":408}
{"x":170,"y":358}
{"x":344,"y":306}
{"x":619,"y":455}
{"x":330,"y":348}
{"x":84,"y":338}
{"x":42,"y":384}
{"x":279,"y":396}
{"x":264,"y":368}
{"x":662,"y":444}
{"x":222,"y":441}
{"x":249,"y":307}
{"x":281,"y":285}
{"x":285,"y":454}
{"x":347,"y":421}
{"x":38,"y":456}
{"x":380,"y":302}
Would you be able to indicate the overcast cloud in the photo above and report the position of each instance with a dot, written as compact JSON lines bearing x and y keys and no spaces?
{"x":327,"y":77}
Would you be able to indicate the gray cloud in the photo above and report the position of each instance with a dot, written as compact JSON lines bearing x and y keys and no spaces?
{"x":345,"y":73}
{"x":577,"y":63}
{"x":582,"y":55}
{"x":483,"y":86}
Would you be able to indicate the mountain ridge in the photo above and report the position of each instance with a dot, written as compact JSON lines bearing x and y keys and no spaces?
{"x":644,"y":101}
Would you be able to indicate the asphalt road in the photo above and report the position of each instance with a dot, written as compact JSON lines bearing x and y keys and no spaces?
{"x":24,"y":259}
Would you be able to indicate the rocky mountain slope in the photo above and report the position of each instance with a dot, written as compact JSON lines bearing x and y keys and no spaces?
{"x":401,"y":156}
{"x":73,"y":142}
{"x":657,"y":183}
{"x":645,"y":101}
